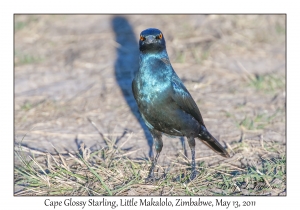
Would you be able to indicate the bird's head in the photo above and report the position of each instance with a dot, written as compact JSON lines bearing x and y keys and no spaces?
{"x":152,"y":40}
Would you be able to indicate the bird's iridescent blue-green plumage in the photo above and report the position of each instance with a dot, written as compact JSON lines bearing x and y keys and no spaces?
{"x":164,"y":102}
{"x":162,"y":98}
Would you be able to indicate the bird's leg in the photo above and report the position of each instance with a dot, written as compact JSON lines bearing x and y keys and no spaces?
{"x":183,"y":146}
{"x":191,"y":141}
{"x":154,"y":161}
{"x":158,"y":147}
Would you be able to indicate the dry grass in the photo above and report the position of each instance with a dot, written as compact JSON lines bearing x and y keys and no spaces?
{"x":109,"y":172}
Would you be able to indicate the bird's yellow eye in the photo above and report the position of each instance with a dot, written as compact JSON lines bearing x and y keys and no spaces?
{"x":159,"y":36}
{"x":142,"y":38}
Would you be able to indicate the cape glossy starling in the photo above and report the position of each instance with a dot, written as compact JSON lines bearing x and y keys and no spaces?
{"x":164,"y":103}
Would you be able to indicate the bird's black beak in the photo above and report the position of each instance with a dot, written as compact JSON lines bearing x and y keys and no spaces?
{"x":150,"y":39}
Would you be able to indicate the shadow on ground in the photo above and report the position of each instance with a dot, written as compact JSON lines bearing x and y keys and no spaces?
{"x":126,"y":65}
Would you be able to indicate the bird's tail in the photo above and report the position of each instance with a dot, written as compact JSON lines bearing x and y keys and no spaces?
{"x":211,"y":142}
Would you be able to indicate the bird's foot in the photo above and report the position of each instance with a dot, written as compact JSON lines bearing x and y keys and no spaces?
{"x":193,"y":175}
{"x":151,"y":179}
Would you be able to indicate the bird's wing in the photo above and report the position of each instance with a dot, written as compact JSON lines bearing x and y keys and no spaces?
{"x":183,"y":98}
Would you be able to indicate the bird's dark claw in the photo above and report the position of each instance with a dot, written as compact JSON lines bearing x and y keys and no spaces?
{"x":151,"y":179}
{"x":193,"y":175}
